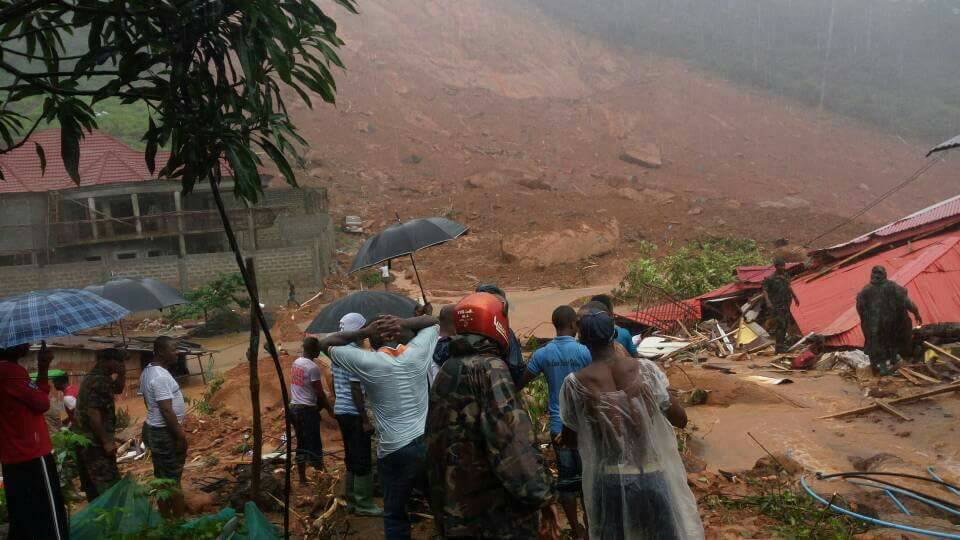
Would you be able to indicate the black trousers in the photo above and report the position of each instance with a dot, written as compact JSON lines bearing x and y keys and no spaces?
{"x":34,"y":501}
{"x":356,"y":444}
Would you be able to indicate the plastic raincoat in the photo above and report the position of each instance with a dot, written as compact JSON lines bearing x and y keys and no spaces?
{"x":634,"y":482}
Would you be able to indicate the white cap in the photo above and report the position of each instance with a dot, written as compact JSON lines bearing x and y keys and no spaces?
{"x":351,"y":322}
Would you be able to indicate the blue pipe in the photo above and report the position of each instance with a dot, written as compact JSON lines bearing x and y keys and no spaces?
{"x":938,"y":479}
{"x":910,"y":494}
{"x":874,"y":521}
{"x":897,"y":502}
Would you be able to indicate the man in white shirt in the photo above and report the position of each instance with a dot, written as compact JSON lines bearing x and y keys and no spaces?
{"x":395,"y":379}
{"x":307,"y":397}
{"x":163,"y":430}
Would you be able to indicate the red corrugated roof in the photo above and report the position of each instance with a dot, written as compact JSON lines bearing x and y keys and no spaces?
{"x":928,"y":268}
{"x":103,"y":160}
{"x":756,"y":274}
{"x":931,"y":218}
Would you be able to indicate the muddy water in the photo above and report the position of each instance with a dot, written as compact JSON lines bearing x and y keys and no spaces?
{"x":825,"y":445}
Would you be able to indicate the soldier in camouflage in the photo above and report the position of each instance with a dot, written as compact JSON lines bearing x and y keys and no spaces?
{"x":884,"y":308}
{"x":487,"y":478}
{"x":97,"y":420}
{"x":777,"y":293}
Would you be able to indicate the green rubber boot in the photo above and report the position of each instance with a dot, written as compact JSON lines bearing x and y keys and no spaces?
{"x":349,"y":494}
{"x":363,"y":497}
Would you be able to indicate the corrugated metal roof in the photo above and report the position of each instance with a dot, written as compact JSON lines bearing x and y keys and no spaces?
{"x":756,"y":274}
{"x":928,"y":268}
{"x":103,"y":160}
{"x":920,"y":221}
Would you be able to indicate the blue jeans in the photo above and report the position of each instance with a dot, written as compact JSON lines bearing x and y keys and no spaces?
{"x":399,"y":472}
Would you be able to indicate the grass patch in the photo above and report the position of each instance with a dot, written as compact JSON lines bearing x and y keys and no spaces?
{"x":795,"y":515}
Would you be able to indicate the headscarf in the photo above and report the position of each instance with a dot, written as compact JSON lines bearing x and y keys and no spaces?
{"x":878,"y":275}
{"x":597,"y":329}
{"x":351,"y":322}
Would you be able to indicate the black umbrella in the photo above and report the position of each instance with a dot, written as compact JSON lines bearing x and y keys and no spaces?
{"x":138,"y":294}
{"x":367,"y":303}
{"x":405,"y":239}
{"x":946,"y":145}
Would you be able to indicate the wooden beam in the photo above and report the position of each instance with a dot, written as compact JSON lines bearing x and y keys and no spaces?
{"x":906,"y":375}
{"x":955,"y":387}
{"x":942,"y":352}
{"x":890,"y":409}
{"x":834,"y":266}
{"x":919,"y":375}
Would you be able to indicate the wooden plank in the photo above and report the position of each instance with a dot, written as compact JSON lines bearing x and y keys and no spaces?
{"x":921,"y":376}
{"x":908,"y":399}
{"x":759,"y":348}
{"x":834,"y":266}
{"x":942,"y":352}
{"x":906,"y":375}
{"x":890,"y":409}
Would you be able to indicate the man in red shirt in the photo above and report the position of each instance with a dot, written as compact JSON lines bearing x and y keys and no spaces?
{"x":30,"y":478}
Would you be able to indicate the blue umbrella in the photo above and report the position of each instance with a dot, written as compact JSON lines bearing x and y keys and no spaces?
{"x":38,"y":315}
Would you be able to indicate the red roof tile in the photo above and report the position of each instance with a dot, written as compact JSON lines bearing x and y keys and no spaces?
{"x":103,"y":160}
{"x":920,"y":222}
{"x":928,"y":268}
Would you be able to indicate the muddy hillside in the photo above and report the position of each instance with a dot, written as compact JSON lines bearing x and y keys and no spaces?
{"x":536,"y":136}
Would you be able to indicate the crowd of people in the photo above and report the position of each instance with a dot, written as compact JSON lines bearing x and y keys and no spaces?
{"x":33,"y":412}
{"x":438,"y":401}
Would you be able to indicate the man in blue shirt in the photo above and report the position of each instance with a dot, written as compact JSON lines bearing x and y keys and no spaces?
{"x":555,"y":360}
{"x":623,"y":335}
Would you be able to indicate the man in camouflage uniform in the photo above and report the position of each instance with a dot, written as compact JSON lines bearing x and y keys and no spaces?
{"x":97,"y":420}
{"x":777,"y":293}
{"x":487,"y":479}
{"x":884,"y":308}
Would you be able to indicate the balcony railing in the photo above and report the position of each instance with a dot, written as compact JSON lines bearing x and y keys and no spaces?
{"x":72,"y":233}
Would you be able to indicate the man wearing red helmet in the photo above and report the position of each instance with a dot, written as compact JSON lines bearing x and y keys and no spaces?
{"x":487,"y":479}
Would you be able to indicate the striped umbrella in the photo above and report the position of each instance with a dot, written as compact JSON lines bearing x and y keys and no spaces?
{"x":39,"y":315}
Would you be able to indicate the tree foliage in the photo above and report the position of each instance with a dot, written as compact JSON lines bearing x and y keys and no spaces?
{"x":690,"y":270}
{"x":222,"y":294}
{"x":209,"y":72}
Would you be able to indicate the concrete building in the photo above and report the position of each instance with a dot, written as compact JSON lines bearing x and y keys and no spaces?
{"x":122,"y":221}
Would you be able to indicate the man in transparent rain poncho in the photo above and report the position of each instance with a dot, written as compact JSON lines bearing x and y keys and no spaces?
{"x":618,"y":410}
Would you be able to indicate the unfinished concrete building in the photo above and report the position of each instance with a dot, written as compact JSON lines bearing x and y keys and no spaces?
{"x":120,"y":220}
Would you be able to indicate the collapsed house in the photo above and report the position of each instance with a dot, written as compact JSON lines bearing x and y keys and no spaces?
{"x":920,"y":252}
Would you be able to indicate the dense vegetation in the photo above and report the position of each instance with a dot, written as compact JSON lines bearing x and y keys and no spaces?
{"x":688,"y":270}
{"x":889,"y":62}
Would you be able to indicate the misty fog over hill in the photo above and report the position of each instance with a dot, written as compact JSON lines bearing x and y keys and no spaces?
{"x":893,"y":63}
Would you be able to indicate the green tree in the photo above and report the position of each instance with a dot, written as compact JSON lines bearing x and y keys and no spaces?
{"x":209,"y":72}
{"x":221,"y":294}
{"x":690,"y":270}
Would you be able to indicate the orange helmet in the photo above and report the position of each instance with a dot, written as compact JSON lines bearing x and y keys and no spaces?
{"x":482,"y":314}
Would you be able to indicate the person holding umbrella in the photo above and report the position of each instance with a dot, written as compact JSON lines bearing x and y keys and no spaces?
{"x":31,"y":482}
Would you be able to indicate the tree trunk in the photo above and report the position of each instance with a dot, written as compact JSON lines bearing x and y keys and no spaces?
{"x":257,"y":311}
{"x":256,"y":466}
